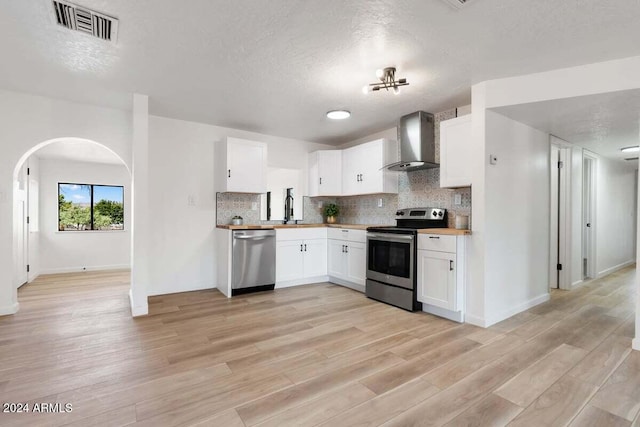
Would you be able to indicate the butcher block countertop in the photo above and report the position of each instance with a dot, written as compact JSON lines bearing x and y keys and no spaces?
{"x":275,"y":226}
{"x":445,"y":231}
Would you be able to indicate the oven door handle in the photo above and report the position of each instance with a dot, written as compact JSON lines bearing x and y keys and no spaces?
{"x":389,"y":237}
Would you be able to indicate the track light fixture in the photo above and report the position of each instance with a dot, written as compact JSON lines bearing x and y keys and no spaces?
{"x":388,"y":81}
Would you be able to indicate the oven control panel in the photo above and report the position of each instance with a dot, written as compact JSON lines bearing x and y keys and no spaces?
{"x":421,"y":213}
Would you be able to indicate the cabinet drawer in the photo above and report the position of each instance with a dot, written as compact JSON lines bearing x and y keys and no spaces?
{"x":300,"y":233}
{"x":347,"y":234}
{"x":436,"y":242}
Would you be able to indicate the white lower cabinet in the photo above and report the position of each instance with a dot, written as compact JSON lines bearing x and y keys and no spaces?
{"x":301,"y":256}
{"x":441,"y":275}
{"x":437,"y":279}
{"x":347,"y":257}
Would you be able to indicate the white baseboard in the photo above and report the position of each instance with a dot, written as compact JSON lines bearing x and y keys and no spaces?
{"x":475,"y":320}
{"x":346,"y":284}
{"x":299,"y":282}
{"x":492,"y":320}
{"x":195,"y":287}
{"x":615,"y":268}
{"x":141,"y":310}
{"x":577,"y":283}
{"x":9,"y":309}
{"x":82,"y":269}
{"x":456,"y":316}
{"x":635,"y":344}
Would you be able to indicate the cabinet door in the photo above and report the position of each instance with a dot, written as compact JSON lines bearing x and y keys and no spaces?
{"x":315,"y":257}
{"x":246,"y":171}
{"x":351,"y":165}
{"x":336,"y":265}
{"x":289,"y":260}
{"x":356,"y":262}
{"x":330,"y":173}
{"x":371,"y":176}
{"x":455,"y":142}
{"x":437,"y":279}
{"x":314,"y":174}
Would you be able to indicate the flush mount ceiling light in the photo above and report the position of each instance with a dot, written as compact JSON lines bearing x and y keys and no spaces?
{"x":338,"y":114}
{"x":388,"y":81}
{"x":631,"y":149}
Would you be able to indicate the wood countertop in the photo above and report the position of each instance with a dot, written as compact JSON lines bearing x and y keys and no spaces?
{"x":445,"y":231}
{"x":276,"y":226}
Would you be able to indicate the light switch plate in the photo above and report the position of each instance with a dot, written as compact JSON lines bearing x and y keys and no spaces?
{"x":493,"y":159}
{"x":457,"y":199}
{"x":380,"y":202}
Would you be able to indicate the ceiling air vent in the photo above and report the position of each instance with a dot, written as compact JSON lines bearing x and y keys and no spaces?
{"x":86,"y":21}
{"x":631,"y":158}
{"x":456,"y":3}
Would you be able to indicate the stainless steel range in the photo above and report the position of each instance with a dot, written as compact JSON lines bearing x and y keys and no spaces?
{"x":392,"y":254}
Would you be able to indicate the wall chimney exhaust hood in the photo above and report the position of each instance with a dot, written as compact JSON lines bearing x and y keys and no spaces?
{"x":417,"y":143}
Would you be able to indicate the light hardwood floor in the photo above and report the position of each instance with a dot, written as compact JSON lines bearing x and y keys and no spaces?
{"x":314,"y":355}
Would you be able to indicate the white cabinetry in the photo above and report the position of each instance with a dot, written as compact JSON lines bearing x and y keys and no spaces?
{"x":325,"y":173}
{"x":347,"y":259}
{"x":455,"y":144}
{"x":301,"y":256}
{"x":241,"y":166}
{"x":362,"y":171}
{"x":441,"y":275}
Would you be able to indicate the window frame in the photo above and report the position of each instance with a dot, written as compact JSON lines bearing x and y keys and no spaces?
{"x":91,"y":207}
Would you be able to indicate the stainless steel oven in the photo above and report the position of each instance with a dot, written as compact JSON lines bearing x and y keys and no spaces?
{"x":392,"y":257}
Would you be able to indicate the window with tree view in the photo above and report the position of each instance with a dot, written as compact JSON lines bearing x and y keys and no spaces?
{"x":83,"y":207}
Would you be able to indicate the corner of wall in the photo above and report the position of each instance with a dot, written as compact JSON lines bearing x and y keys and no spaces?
{"x":140,"y":310}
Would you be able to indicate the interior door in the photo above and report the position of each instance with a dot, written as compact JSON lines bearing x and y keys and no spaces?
{"x":587,"y":216}
{"x":554,"y":216}
{"x":21,"y":238}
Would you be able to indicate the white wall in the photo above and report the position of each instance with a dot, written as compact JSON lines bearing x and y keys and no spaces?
{"x":615,"y":216}
{"x":70,"y":251}
{"x":34,"y":214}
{"x":517,"y":227}
{"x":181,"y":159}
{"x":27,"y":121}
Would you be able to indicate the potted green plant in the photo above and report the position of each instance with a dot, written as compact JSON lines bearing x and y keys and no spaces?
{"x":331,"y":210}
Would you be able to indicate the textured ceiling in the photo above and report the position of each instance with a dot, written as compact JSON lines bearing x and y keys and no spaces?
{"x":277,"y":66}
{"x":602,"y":123}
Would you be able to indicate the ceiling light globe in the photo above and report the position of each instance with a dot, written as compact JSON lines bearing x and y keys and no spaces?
{"x":365,"y":89}
{"x":379,"y":73}
{"x":338,"y":114}
{"x":396,"y":90}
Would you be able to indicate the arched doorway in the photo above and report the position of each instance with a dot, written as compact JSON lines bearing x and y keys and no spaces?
{"x":74,"y":151}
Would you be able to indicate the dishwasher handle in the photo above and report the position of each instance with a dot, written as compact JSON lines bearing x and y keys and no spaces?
{"x":253,"y":238}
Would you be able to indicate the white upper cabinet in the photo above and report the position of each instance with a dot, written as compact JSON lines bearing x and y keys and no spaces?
{"x":325,"y":173}
{"x":362,"y":168}
{"x":241,"y":166}
{"x":455,"y":144}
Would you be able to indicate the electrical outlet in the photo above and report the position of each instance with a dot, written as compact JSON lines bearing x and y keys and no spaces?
{"x":457,"y":199}
{"x":319,"y":205}
{"x":380,"y":202}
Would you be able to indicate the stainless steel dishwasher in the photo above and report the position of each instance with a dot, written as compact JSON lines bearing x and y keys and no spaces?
{"x":253,"y":261}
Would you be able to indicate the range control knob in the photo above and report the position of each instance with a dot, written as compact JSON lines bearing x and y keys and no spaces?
{"x":434,"y":213}
{"x":440,"y":214}
{"x":399,"y":213}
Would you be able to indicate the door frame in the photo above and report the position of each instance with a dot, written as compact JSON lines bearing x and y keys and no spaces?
{"x":589,"y":248}
{"x":559,"y":213}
